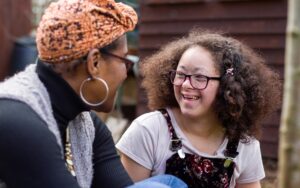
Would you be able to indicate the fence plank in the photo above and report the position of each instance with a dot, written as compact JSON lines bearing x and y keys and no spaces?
{"x":250,"y":26}
{"x":212,"y":11}
{"x":270,"y":41}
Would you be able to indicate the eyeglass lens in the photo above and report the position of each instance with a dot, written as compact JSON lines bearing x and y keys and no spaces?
{"x":197,"y":81}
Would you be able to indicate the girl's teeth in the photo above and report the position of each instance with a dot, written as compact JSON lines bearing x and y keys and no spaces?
{"x":192,"y":97}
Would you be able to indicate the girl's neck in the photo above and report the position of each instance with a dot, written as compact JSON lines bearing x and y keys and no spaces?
{"x":205,"y":127}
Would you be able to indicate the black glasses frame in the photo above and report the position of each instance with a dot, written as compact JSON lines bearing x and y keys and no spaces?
{"x":173,"y":73}
{"x":128,"y":63}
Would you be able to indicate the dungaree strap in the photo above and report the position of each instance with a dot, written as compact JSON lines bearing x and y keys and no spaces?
{"x":175,"y":141}
{"x":231,"y":148}
{"x":229,"y":152}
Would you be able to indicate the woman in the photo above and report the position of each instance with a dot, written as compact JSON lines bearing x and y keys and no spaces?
{"x":210,"y":93}
{"x":48,"y":136}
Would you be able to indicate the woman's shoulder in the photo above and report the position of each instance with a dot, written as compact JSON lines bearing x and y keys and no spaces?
{"x":101,"y":129}
{"x":21,"y":126}
{"x":13,"y":113}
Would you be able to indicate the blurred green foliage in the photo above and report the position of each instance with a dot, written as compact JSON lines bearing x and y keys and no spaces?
{"x":132,"y":3}
{"x":132,"y":36}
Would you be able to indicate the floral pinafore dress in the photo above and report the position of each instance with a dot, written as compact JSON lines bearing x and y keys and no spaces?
{"x":197,"y":171}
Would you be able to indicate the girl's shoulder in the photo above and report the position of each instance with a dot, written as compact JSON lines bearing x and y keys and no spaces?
{"x":251,"y":142}
{"x":150,"y":115}
{"x":248,"y":148}
{"x":150,"y":119}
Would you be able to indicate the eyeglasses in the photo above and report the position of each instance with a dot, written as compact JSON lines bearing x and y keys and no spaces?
{"x":197,"y":81}
{"x":128,"y":63}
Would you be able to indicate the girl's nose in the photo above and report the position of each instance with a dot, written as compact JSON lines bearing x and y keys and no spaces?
{"x":187,"y":83}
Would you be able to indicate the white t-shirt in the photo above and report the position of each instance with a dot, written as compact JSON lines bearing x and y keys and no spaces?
{"x":147,"y":141}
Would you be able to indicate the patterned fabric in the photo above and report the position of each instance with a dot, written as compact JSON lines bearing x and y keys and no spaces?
{"x":198,"y":171}
{"x":70,"y":28}
{"x":27,"y":87}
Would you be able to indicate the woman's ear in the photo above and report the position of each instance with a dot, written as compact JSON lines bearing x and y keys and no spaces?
{"x":93,"y":62}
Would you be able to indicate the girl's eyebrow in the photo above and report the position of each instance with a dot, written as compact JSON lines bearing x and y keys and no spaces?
{"x":194,"y":69}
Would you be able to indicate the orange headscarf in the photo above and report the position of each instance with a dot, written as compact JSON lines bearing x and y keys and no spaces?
{"x":70,"y":28}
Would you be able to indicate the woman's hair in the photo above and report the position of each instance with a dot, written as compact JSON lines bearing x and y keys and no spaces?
{"x":72,"y":65}
{"x":243,"y":98}
{"x":80,"y":27}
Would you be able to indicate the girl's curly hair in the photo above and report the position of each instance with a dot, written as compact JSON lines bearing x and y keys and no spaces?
{"x":244,"y":97}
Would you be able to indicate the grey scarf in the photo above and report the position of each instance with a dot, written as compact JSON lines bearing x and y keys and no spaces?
{"x":27,"y":87}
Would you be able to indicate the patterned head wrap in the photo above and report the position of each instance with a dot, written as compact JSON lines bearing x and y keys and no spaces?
{"x":69,"y":29}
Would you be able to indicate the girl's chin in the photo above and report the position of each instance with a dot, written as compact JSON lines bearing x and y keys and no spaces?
{"x":192,"y":111}
{"x":189,"y":112}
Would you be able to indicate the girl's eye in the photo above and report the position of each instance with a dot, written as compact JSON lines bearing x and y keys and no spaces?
{"x":180,"y":75}
{"x":199,"y":78}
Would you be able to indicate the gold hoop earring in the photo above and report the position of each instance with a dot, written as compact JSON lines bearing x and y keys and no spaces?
{"x":87,"y":102}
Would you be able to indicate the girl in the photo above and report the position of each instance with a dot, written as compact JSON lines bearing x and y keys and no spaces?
{"x":210,"y":93}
